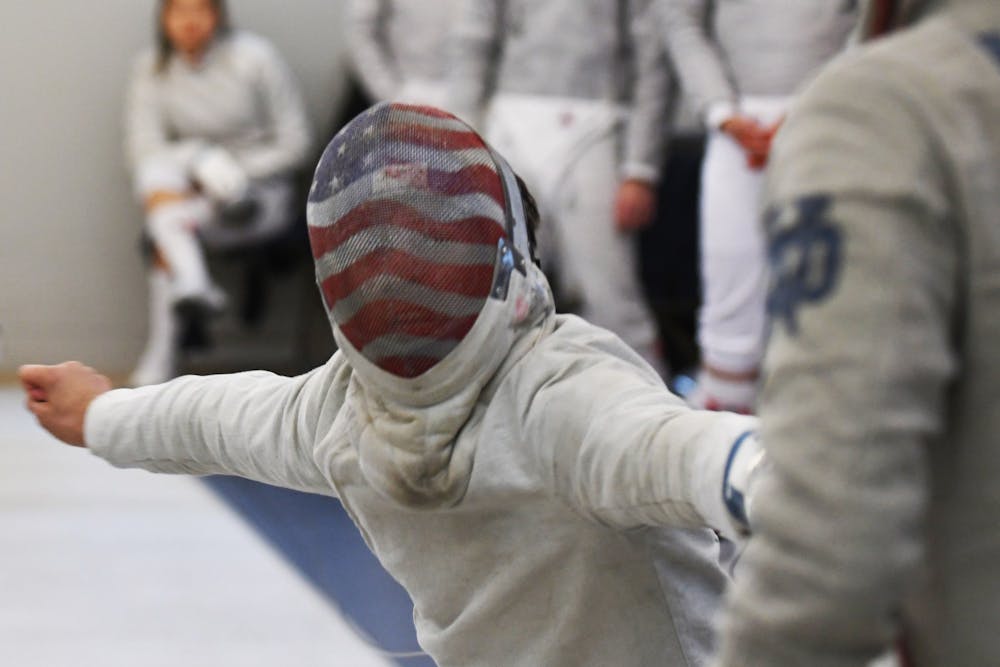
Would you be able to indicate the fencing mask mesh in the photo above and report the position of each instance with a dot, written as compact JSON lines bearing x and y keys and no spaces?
{"x":411,"y":228}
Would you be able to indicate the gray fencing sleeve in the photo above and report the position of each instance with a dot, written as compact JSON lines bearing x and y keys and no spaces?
{"x":475,"y":55}
{"x":699,"y":63}
{"x":371,"y":53}
{"x":254,"y":425}
{"x":287,"y":147}
{"x":648,"y":110}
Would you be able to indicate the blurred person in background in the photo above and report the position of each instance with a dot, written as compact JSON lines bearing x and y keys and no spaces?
{"x":669,"y":246}
{"x":215,"y":128}
{"x":742,"y":62}
{"x":877,"y":524}
{"x":400,"y":48}
{"x":575,"y":93}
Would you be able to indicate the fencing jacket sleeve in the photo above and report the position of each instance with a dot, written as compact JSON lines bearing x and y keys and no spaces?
{"x":371,"y":51}
{"x":697,"y":58}
{"x":475,"y":47}
{"x":651,"y":92}
{"x":255,"y":425}
{"x":618,"y":447}
{"x":290,"y":138}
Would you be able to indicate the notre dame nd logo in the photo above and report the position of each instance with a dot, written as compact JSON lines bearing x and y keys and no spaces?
{"x":804,"y":252}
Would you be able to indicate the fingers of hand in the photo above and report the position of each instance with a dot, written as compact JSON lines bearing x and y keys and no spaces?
{"x":35,"y":376}
{"x":634,"y":206}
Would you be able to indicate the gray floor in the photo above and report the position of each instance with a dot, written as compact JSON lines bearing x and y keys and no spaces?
{"x":104,"y":567}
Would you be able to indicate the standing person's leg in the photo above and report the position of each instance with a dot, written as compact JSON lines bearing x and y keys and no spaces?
{"x":734,"y":279}
{"x":603,"y":260}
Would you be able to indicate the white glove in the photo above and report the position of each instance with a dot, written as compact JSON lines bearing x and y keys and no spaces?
{"x":220,"y":176}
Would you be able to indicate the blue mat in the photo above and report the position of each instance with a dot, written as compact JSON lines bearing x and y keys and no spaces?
{"x":315,"y":534}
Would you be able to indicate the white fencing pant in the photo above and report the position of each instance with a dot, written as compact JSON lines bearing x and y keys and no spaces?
{"x":566,"y":150}
{"x":734,"y":270}
{"x":178,"y":230}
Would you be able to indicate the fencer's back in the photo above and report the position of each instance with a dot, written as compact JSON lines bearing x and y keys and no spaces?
{"x":883,"y":369}
{"x":965,"y":505}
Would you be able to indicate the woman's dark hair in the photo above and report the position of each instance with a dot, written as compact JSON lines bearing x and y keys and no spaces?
{"x":164,"y":49}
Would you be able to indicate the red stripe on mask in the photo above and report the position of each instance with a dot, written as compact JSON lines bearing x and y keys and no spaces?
{"x":476,"y":230}
{"x":383,"y":318}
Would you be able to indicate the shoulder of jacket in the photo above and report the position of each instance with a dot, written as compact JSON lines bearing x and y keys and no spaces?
{"x":574,"y":340}
{"x":912,"y":69}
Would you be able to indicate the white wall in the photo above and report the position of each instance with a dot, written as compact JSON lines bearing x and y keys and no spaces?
{"x":71,"y":281}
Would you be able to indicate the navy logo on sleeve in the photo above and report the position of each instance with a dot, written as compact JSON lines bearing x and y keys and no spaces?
{"x":991,"y":42}
{"x":804,"y":252}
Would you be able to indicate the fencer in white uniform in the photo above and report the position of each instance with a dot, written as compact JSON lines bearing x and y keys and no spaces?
{"x":400,"y":48}
{"x":878,"y":525}
{"x":212,"y":143}
{"x":575,"y":93}
{"x":504,"y":463}
{"x":742,"y":61}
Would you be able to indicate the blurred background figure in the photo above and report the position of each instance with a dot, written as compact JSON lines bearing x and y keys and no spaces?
{"x":742,"y":63}
{"x":399,"y":48}
{"x":215,"y":129}
{"x":574,"y":92}
{"x":668,"y":248}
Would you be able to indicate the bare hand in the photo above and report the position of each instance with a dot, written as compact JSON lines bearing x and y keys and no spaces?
{"x":635,"y":205}
{"x":59,"y":396}
{"x":754,"y":138}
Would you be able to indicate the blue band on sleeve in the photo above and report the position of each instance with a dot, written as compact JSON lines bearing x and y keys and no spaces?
{"x":730,"y":496}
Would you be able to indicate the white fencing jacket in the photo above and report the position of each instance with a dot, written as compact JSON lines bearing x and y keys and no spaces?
{"x":241,"y":97}
{"x":570,"y":452}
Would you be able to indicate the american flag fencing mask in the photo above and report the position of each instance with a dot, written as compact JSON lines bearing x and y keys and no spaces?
{"x":412,"y":228}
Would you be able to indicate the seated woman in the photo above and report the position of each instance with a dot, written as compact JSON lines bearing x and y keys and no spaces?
{"x":215,"y":129}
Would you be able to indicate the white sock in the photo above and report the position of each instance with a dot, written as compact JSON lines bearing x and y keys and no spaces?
{"x":719,"y":394}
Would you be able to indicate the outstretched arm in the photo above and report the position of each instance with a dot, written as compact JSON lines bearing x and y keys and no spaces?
{"x":255,"y":425}
{"x":616,"y":445}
